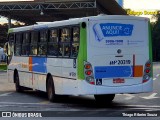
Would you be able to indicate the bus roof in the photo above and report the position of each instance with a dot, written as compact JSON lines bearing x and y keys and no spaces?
{"x":73,"y":21}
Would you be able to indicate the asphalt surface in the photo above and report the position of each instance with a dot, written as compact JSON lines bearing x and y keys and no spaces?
{"x":82,"y":106}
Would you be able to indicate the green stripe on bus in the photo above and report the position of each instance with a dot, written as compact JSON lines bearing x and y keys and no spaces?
{"x":82,"y":56}
{"x":150,"y":46}
{"x":10,"y":30}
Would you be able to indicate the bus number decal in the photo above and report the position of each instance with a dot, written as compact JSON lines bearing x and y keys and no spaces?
{"x":120,"y":62}
{"x":113,"y":62}
{"x":73,"y":74}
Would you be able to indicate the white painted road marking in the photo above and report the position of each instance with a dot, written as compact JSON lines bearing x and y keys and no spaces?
{"x":157,"y":75}
{"x":5,"y":94}
{"x":152,"y":96}
{"x":152,"y":106}
{"x":14,"y":103}
{"x":154,"y":78}
{"x":129,"y":96}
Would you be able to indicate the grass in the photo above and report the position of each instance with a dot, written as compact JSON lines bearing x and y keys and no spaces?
{"x":3,"y":67}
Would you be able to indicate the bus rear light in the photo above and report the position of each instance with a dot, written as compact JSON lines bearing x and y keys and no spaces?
{"x":90,"y":80}
{"x":148,"y":65}
{"x":89,"y":72}
{"x":87,"y":66}
{"x":147,"y":71}
{"x":146,"y":77}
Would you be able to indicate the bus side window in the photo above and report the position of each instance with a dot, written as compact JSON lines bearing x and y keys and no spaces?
{"x":34,"y":41}
{"x":53,"y":35}
{"x":53,"y":49}
{"x":26,"y":43}
{"x":18,"y":44}
{"x":65,"y":37}
{"x":42,"y":45}
{"x":64,"y":49}
{"x":75,"y":42}
{"x":53,"y":43}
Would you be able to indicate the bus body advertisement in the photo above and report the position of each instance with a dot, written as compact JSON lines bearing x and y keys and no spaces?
{"x":99,"y":55}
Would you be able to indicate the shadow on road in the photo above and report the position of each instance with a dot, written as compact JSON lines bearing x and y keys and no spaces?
{"x":77,"y":101}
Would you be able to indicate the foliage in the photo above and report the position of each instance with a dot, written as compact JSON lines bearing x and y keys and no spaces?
{"x":156,"y":38}
{"x":4,"y":31}
{"x":3,"y":67}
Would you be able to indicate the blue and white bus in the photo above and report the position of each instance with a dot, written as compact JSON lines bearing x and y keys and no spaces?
{"x":99,"y":55}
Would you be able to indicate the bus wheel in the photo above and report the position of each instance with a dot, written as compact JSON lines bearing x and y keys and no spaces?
{"x":104,"y":98}
{"x":50,"y":90}
{"x":17,"y":85}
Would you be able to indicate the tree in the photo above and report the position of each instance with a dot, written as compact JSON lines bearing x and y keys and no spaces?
{"x":4,"y":31}
{"x":156,"y":38}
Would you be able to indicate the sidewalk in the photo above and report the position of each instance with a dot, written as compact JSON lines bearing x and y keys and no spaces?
{"x":4,"y":84}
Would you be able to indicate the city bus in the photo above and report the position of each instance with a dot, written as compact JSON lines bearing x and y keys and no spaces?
{"x":100,"y":55}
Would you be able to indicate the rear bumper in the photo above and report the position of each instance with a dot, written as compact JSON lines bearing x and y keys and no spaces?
{"x":87,"y":89}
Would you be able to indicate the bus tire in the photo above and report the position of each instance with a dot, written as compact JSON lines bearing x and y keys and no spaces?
{"x":104,"y":98}
{"x":50,"y":90}
{"x":17,"y":85}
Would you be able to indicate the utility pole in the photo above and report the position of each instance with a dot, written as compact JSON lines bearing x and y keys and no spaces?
{"x":9,"y":22}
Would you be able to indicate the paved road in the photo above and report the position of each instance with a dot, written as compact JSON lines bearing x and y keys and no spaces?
{"x":81,"y":105}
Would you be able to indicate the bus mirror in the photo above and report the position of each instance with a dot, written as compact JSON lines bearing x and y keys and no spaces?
{"x":83,"y":25}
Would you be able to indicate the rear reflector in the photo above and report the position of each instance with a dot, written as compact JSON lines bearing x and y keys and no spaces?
{"x":92,"y":83}
{"x":145,"y":81}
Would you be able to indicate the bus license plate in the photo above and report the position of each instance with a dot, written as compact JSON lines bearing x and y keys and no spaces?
{"x":118,"y":80}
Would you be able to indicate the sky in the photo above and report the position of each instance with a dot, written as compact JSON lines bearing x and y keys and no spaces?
{"x":142,"y":4}
{"x":132,"y":4}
